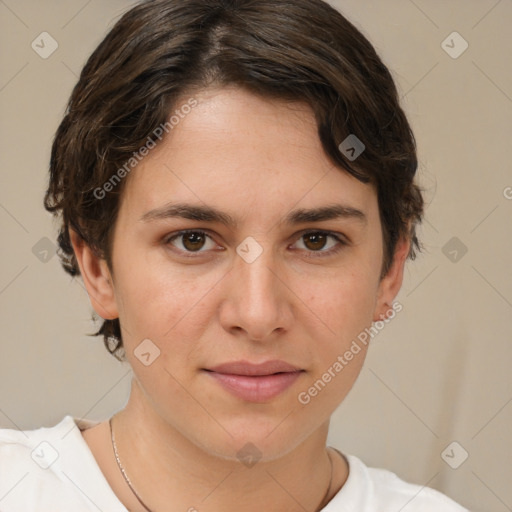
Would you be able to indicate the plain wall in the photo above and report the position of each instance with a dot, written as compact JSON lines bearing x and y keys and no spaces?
{"x":438,"y":373}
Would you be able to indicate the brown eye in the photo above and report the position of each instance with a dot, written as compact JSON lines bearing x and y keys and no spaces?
{"x":193,"y":241}
{"x":315,"y":241}
{"x":190,"y":241}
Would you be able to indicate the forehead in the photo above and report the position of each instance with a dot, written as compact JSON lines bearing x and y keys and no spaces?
{"x":239,"y":150}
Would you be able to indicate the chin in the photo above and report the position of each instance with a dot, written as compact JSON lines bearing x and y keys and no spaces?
{"x":252,"y":440}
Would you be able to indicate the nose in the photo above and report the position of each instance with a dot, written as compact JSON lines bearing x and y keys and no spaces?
{"x":257,"y":300}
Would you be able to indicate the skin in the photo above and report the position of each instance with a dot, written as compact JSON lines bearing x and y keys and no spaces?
{"x":178,"y":436}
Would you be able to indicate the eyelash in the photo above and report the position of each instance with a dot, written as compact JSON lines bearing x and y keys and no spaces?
{"x":310,"y":254}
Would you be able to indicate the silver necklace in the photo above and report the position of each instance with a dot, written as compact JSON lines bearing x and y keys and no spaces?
{"x":324,"y":501}
{"x":125,"y":476}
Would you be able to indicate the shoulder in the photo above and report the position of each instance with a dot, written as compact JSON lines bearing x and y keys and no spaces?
{"x":413,"y":497}
{"x":380,"y":490}
{"x":47,"y":468}
{"x":26,"y":460}
{"x":29,"y":448}
{"x":39,"y":448}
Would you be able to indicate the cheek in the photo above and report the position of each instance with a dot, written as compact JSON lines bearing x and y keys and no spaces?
{"x":162,"y":302}
{"x":343,"y":310}
{"x":344,"y":303}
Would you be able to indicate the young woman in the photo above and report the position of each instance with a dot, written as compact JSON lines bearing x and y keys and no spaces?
{"x":235,"y":180}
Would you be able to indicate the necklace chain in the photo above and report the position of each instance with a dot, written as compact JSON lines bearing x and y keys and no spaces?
{"x":136,"y":494}
{"x":125,"y":476}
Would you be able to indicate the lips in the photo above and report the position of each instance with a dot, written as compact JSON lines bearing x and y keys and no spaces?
{"x":255,"y":382}
{"x":247,"y":368}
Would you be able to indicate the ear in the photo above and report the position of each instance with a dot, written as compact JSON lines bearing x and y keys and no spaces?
{"x":391,"y":283}
{"x":97,"y":278}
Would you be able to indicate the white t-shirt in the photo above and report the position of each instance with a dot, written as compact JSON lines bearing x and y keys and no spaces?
{"x":53,"y":470}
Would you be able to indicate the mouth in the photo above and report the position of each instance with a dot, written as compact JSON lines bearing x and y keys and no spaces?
{"x":255,"y":382}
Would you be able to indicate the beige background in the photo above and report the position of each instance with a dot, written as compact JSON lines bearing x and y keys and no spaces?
{"x":440,"y":372}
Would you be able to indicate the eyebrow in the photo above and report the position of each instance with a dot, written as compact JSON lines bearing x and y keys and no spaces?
{"x":210,"y":214}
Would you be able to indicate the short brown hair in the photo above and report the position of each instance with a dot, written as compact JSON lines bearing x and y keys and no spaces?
{"x":300,"y":50}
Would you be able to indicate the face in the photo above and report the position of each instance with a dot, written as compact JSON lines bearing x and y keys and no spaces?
{"x":262,"y":281}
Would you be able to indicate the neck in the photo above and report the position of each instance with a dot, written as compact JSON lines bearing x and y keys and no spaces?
{"x":166,"y":467}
